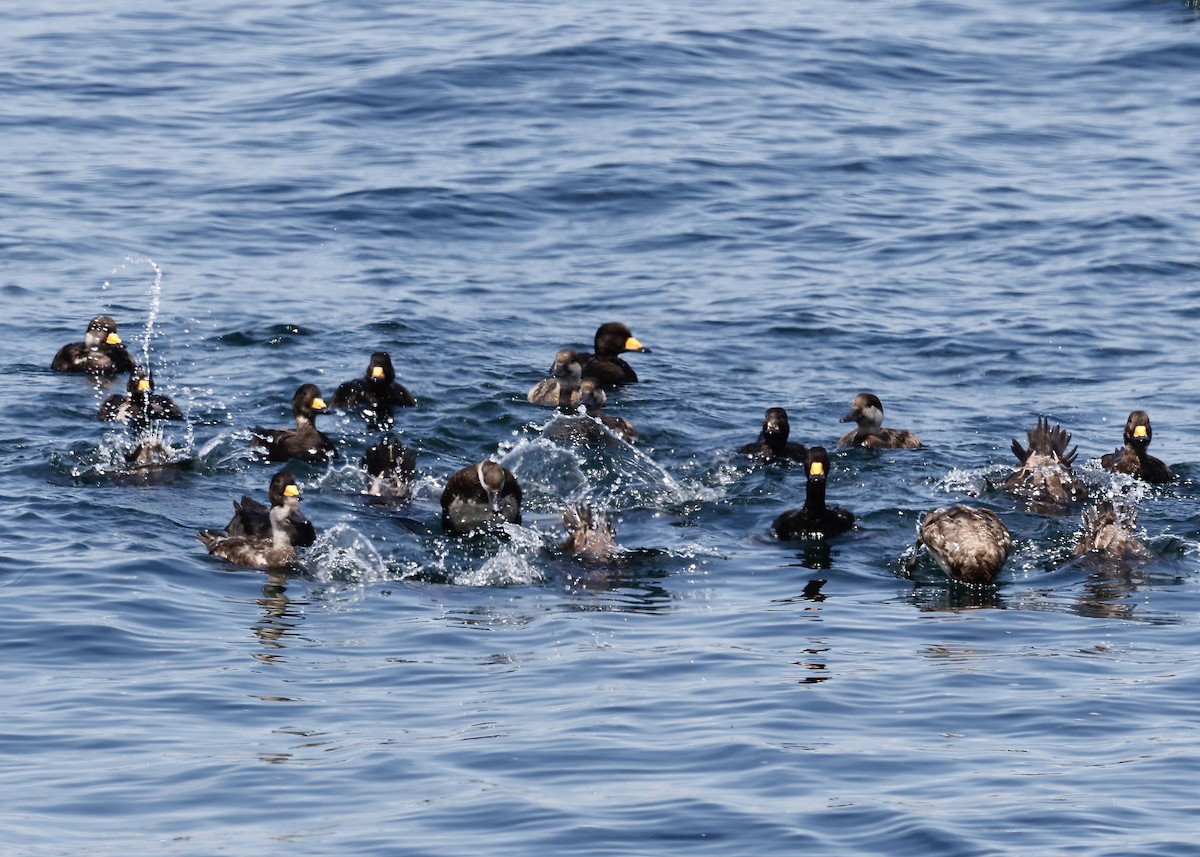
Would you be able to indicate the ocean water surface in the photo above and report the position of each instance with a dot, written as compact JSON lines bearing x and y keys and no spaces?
{"x":982,"y":213}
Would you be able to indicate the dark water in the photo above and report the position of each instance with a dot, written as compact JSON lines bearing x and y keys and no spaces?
{"x":983,"y":213}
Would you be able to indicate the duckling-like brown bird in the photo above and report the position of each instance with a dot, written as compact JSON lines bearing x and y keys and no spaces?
{"x":867,"y":411}
{"x":969,"y":544}
{"x":1044,"y":476}
{"x":480,"y":497}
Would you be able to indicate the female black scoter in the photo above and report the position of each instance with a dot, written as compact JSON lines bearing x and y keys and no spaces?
{"x":867,"y":411}
{"x":1107,"y":530}
{"x":391,"y":470}
{"x":561,"y":386}
{"x":1044,"y":476}
{"x":590,"y":534}
{"x":605,"y":364}
{"x":969,"y":544}
{"x":593,"y":398}
{"x":100,"y":353}
{"x":273,"y":552}
{"x":480,"y":497}
{"x":1135,"y":458}
{"x":376,"y":390}
{"x":141,"y":405}
{"x":304,"y":442}
{"x":252,"y":519}
{"x":773,"y":443}
{"x":815,"y":520}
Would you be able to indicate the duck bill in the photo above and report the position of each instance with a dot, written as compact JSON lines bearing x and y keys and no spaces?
{"x":632,"y":344}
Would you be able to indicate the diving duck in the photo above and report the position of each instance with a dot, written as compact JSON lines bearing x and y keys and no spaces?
{"x":141,"y":405}
{"x":1044,"y":475}
{"x":480,"y":497}
{"x":101,"y":352}
{"x":867,"y":411}
{"x":969,"y":544}
{"x":590,"y":534}
{"x":304,"y":442}
{"x":391,"y":470}
{"x":1107,"y":530}
{"x":814,"y":520}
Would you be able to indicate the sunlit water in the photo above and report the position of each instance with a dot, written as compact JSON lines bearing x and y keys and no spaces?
{"x":981,"y":213}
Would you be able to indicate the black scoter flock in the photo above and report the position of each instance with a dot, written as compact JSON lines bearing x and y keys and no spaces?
{"x":969,"y":544}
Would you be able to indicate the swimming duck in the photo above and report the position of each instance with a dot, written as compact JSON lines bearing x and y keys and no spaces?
{"x":391,"y":470}
{"x":252,"y":519}
{"x":1110,"y":531}
{"x":1045,"y":475}
{"x":376,"y":391}
{"x":304,"y":442}
{"x":480,"y":497}
{"x":867,"y":411}
{"x":969,"y":544}
{"x":590,"y":534}
{"x":561,"y":387}
{"x":605,"y":365}
{"x":593,"y":398}
{"x":100,"y":353}
{"x":815,"y":520}
{"x":141,"y":405}
{"x":773,"y":443}
{"x":255,"y":552}
{"x":1135,"y":458}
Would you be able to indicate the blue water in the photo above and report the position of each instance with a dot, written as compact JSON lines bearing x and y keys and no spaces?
{"x":981,"y":212}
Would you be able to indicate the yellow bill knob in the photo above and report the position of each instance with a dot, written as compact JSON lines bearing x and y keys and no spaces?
{"x":816,"y":469}
{"x":113,"y":339}
{"x":291,"y":491}
{"x":318,"y":404}
{"x":143,"y":384}
{"x":1139,"y":431}
{"x":632,"y":344}
{"x":376,"y":371}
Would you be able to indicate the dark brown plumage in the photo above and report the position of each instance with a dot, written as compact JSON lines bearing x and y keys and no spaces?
{"x":1134,"y":458}
{"x":1044,"y":475}
{"x":593,"y":398}
{"x":391,"y":470}
{"x":480,"y":497}
{"x":141,"y":405}
{"x":376,"y":392}
{"x":251,"y":518}
{"x":814,"y":520}
{"x":969,"y":544}
{"x":590,"y":534}
{"x":304,"y":442}
{"x":100,"y":353}
{"x":773,"y":443}
{"x":276,"y":551}
{"x":1107,"y":530}
{"x":605,"y":364}
{"x":867,"y":411}
{"x":561,"y":387}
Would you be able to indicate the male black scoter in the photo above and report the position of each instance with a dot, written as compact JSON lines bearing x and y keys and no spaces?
{"x":1134,"y":458}
{"x":304,"y":442}
{"x":252,"y":519}
{"x":101,"y":352}
{"x":867,"y":411}
{"x":276,"y":551}
{"x":814,"y":520}
{"x":773,"y":443}
{"x":605,"y":364}
{"x":141,"y":405}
